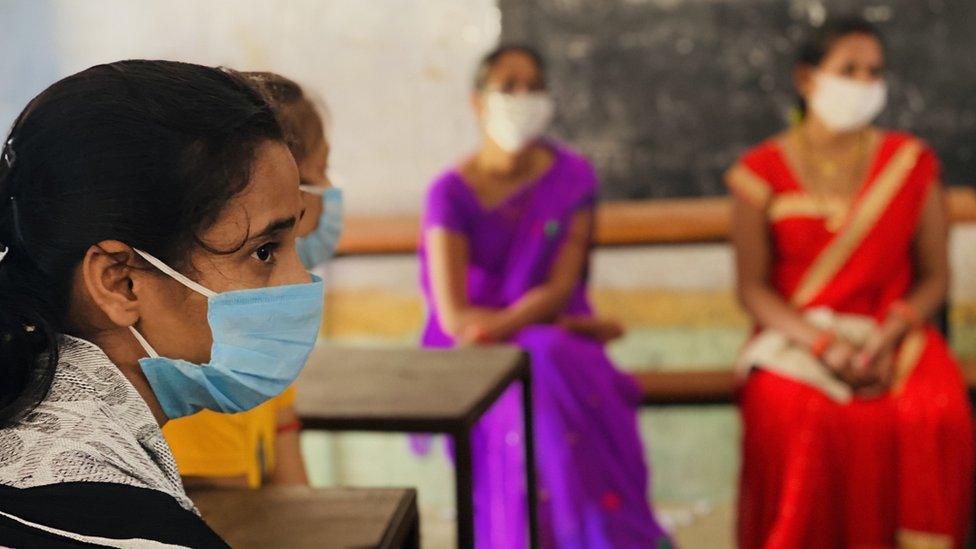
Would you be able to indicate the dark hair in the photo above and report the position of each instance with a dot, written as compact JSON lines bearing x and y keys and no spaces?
{"x":144,"y":152}
{"x":819,"y":41}
{"x":300,"y":120}
{"x":491,"y":58}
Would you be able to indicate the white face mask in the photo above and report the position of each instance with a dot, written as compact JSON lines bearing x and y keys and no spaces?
{"x":514,"y":120}
{"x":845,"y":104}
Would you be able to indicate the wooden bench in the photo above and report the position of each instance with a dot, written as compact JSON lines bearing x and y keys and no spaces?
{"x":635,"y":223}
{"x":630,"y":223}
{"x":687,"y":388}
{"x":717,"y":386}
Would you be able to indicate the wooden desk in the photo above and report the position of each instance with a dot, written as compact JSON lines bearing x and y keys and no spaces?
{"x":307,"y":517}
{"x":418,"y":391}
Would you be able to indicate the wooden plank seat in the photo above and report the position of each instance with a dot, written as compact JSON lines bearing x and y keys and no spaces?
{"x":693,"y":387}
{"x":626,"y":223}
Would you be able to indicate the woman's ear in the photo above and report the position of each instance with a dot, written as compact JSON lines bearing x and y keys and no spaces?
{"x":803,"y":80}
{"x":106,"y":274}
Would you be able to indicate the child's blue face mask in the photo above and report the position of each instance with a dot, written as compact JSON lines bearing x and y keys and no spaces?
{"x":261,"y":340}
{"x":317,"y":247}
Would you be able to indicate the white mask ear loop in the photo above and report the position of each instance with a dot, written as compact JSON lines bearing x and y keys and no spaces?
{"x":179,"y":278}
{"x":312,"y":189}
{"x":175,"y":275}
{"x":145,"y":344}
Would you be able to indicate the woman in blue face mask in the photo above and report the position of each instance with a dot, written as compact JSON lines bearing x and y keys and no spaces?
{"x":147,"y":209}
{"x":261,"y":446}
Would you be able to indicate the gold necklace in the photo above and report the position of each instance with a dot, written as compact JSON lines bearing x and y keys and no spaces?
{"x":834,"y":212}
{"x":830,"y":168}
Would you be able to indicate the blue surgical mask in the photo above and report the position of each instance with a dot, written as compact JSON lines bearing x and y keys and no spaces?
{"x":261,"y":340}
{"x":317,"y":247}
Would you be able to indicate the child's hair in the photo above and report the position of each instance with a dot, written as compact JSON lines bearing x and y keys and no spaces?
{"x":297,"y":113}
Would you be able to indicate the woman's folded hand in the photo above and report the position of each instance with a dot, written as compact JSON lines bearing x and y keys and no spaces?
{"x":875,"y":363}
{"x":600,"y":329}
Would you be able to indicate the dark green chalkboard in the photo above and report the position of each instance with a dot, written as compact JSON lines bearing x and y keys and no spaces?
{"x":664,"y":94}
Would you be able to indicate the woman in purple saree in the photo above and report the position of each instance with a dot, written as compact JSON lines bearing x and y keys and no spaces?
{"x":505,"y":240}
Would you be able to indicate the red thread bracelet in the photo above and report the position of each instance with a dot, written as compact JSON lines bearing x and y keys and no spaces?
{"x":480,"y":334}
{"x":905,"y":311}
{"x":290,"y":426}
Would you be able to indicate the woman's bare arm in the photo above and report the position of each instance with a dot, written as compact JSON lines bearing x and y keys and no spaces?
{"x":750,"y":238}
{"x":930,"y":258}
{"x":447,"y":263}
{"x":545,"y":303}
{"x":448,"y":256}
{"x":930,"y":251}
{"x":289,"y":464}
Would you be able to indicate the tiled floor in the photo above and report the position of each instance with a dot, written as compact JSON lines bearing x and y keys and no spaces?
{"x":693,"y":526}
{"x":701,"y":526}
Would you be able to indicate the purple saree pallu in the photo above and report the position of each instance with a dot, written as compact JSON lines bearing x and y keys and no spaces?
{"x":593,"y":482}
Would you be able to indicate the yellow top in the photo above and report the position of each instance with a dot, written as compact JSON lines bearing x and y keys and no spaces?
{"x":211,"y":444}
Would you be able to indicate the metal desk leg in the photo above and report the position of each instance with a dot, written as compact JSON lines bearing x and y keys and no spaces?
{"x":413,"y":538}
{"x":529,"y":438}
{"x":464,"y":488}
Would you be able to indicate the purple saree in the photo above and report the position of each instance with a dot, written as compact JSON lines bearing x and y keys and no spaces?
{"x":593,"y":481}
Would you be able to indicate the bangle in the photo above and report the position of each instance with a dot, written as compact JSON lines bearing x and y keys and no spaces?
{"x":906,"y":312}
{"x":290,"y":426}
{"x":480,"y":334}
{"x":822,"y":343}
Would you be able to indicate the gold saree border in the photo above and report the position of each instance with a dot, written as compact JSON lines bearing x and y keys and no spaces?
{"x":916,"y":539}
{"x":803,"y":205}
{"x":744,"y":182}
{"x":869,"y":210}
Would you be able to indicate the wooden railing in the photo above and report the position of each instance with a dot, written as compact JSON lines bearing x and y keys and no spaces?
{"x":644,"y":222}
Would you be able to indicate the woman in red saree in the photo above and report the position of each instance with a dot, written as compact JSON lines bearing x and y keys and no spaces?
{"x":857,"y":431}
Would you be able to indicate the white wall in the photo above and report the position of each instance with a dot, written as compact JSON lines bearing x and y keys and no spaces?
{"x":395,"y":73}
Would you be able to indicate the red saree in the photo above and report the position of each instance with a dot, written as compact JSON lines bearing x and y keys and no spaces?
{"x":895,"y":471}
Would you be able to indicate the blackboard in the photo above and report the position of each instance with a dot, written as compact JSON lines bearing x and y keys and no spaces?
{"x":663,"y":95}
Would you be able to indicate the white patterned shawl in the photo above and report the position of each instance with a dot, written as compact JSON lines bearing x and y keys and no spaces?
{"x":92,"y":427}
